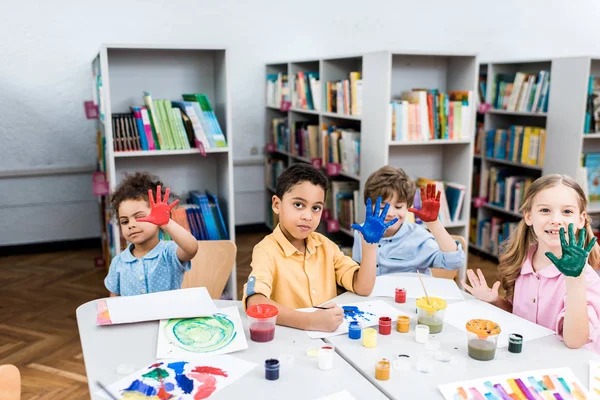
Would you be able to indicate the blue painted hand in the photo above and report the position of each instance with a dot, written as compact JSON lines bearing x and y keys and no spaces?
{"x":375,"y":226}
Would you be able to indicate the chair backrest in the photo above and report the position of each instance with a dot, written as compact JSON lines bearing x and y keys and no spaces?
{"x":10,"y":382}
{"x":450,"y":274}
{"x":211,"y":266}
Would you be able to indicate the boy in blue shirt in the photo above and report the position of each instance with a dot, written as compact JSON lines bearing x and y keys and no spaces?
{"x":148,"y":264}
{"x":406,"y":246}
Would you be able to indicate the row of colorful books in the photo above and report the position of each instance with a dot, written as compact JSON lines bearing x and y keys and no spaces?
{"x":522,"y":91}
{"x":491,"y":233}
{"x":504,"y":187}
{"x":592,"y":109}
{"x":522,"y":144}
{"x":344,"y":97}
{"x":278,"y":91}
{"x":427,"y":114}
{"x":306,"y":89}
{"x":168,"y":125}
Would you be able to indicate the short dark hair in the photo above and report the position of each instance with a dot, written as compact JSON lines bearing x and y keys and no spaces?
{"x":298,"y":173}
{"x":387,"y":181}
{"x":134,"y":187}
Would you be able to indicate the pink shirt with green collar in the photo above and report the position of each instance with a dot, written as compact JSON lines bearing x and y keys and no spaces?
{"x":540,"y":297}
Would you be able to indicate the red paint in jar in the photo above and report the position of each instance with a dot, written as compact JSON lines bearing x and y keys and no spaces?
{"x":400,"y":295}
{"x":262,"y":332}
{"x":385,"y":325}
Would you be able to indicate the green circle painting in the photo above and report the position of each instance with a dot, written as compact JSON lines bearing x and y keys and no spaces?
{"x":201,"y":334}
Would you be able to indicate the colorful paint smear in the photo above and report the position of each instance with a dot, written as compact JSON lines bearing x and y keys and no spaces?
{"x":181,"y":379}
{"x":533,"y":385}
{"x":102,"y":315}
{"x":355,"y":314}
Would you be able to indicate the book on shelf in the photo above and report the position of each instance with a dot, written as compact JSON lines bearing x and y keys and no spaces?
{"x":341,"y":145}
{"x":168,"y":125}
{"x":273,"y":169}
{"x":278,"y":91}
{"x":591,"y":163}
{"x":345,"y":198}
{"x":505,"y":188}
{"x":306,"y":90}
{"x":427,"y":114}
{"x":522,"y":91}
{"x":492,"y":233}
{"x":520,"y":144}
{"x":592,"y":109}
{"x":345,"y":96}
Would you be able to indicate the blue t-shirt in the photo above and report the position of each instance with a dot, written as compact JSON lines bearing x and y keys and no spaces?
{"x":159,"y":270}
{"x":410,"y":249}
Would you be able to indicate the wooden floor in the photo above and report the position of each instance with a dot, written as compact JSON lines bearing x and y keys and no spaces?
{"x":38,"y":329}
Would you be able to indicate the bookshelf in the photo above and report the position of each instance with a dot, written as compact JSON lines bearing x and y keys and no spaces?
{"x":385,"y":75}
{"x":284,"y":148}
{"x":562,"y":117}
{"x":121,"y":74}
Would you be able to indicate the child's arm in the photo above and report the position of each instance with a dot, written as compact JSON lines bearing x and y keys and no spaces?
{"x":160,"y":214}
{"x":372,"y":231}
{"x":428,"y":213}
{"x":319,"y":320}
{"x":576,"y":323}
{"x":187,"y":244}
{"x":113,"y":294}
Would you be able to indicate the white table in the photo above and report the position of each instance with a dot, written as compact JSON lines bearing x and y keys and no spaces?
{"x":547,"y":352}
{"x":105,"y":348}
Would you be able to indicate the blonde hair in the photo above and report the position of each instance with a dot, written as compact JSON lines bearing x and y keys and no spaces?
{"x":516,"y":248}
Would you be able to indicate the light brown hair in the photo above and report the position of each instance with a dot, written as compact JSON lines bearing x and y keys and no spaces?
{"x":387,"y":181}
{"x":516,"y":248}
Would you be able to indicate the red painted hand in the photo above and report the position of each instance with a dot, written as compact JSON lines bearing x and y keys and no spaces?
{"x":160,"y":212}
{"x":430,"y":204}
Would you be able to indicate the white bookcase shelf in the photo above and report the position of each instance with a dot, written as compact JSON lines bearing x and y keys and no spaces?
{"x":127,"y":71}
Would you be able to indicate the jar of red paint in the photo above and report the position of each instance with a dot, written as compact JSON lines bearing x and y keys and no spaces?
{"x":385,"y":325}
{"x":262,"y":319}
{"x":400,"y":295}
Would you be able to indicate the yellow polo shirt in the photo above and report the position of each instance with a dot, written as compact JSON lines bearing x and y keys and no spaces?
{"x":283,"y":274}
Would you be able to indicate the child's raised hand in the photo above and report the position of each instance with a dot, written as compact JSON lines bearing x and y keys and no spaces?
{"x":327,"y":320}
{"x":374,"y":226}
{"x":479,"y":287}
{"x":574,"y":256}
{"x":430,"y":204}
{"x":160,"y":212}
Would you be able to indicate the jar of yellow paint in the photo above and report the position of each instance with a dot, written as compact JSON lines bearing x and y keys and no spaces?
{"x":369,"y":338}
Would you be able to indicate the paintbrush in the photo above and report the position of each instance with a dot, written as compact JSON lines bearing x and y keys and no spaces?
{"x":425,"y":290}
{"x":112,"y":396}
{"x":327,"y":308}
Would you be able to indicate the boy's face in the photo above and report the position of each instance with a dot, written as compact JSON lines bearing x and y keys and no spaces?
{"x":397,"y":210}
{"x":133,"y":231}
{"x":300,"y":210}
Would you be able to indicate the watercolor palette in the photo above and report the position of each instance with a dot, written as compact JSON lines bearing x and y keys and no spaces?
{"x":555,"y":384}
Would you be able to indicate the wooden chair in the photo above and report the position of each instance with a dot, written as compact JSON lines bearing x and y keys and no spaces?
{"x":211,"y":266}
{"x":10,"y":382}
{"x":450,"y":274}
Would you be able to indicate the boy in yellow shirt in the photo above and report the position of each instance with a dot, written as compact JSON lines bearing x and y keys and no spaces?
{"x":295,"y":267}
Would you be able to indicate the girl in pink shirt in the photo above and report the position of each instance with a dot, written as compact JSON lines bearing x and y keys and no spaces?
{"x":547,"y":278}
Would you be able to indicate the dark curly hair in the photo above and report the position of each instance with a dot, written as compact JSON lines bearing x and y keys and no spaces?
{"x":135,"y":187}
{"x":298,"y":173}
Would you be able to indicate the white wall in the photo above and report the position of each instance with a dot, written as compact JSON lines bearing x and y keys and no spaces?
{"x":46,"y":50}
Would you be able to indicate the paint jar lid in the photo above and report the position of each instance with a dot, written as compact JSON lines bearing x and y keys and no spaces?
{"x":272,"y":364}
{"x":483,"y":327}
{"x":261,"y":311}
{"x":515,"y":338}
{"x":354,"y":325}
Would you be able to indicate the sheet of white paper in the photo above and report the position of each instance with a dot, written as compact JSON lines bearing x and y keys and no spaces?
{"x":368,"y":315}
{"x":385,"y":286}
{"x":457,"y":314}
{"x":225,"y":369}
{"x":343,"y":395}
{"x":595,"y":380}
{"x":451,"y":391}
{"x":220,"y":333}
{"x":182,"y":303}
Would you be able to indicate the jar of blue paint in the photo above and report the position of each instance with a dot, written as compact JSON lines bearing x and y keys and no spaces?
{"x":272,"y":369}
{"x":354,"y":330}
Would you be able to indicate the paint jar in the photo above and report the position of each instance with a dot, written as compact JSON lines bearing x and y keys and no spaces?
{"x":382,"y":370}
{"x":262,"y":318}
{"x":354,"y":330}
{"x":482,"y":339}
{"x":385,"y":325}
{"x":403,"y":323}
{"x":400,"y":295}
{"x":431,"y":313}
{"x":369,"y":338}
{"x":515,"y":343}
{"x":272,"y":369}
{"x":325,"y":357}
{"x":421,"y":333}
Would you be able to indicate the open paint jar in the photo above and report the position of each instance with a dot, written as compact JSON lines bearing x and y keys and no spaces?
{"x":482,"y":339}
{"x":262,"y":319}
{"x":431,"y":313}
